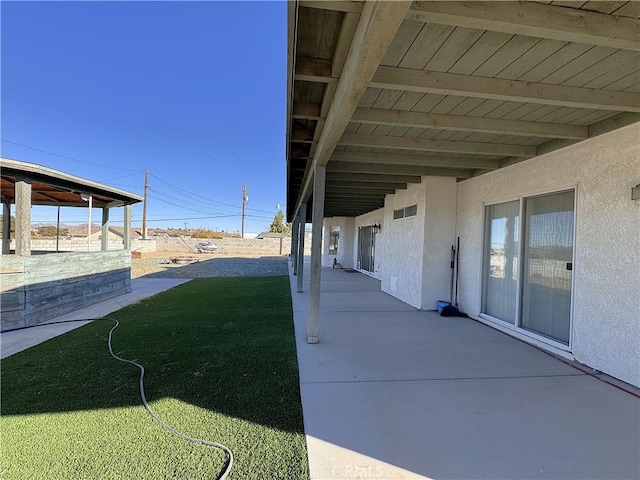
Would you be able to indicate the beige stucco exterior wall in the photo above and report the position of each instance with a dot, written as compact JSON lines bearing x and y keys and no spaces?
{"x":367,"y":219}
{"x":606,"y":282}
{"x":439,"y":234}
{"x":402,"y":252}
{"x":345,"y":256}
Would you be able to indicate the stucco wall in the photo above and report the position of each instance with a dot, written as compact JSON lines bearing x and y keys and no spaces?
{"x":606,"y":311}
{"x":345,"y":256}
{"x":439,"y":234}
{"x":403,"y":246}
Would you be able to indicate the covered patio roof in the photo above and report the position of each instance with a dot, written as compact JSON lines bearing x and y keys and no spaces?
{"x":381,"y":93}
{"x":52,"y":187}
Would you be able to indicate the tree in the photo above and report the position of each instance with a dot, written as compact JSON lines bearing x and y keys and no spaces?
{"x":205,"y":233}
{"x":50,"y":231}
{"x":278,"y":225}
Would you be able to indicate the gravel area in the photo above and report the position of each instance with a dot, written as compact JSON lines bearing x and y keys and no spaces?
{"x":162,"y":266}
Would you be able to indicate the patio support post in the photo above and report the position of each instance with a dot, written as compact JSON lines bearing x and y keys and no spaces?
{"x":23,"y":218}
{"x":6,"y":227}
{"x":302,"y":214}
{"x":295,"y":237}
{"x":104,"y":244}
{"x":319,"y":176}
{"x":127,"y":227}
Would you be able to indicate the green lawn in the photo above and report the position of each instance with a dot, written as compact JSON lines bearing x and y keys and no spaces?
{"x":220,"y":365}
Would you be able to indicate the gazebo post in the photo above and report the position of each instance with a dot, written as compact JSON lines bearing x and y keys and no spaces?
{"x":6,"y":227}
{"x":23,"y":217}
{"x":104,"y":244}
{"x":127,"y":227}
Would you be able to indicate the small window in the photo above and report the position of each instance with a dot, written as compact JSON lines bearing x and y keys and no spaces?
{"x":410,"y":211}
{"x":334,"y":237}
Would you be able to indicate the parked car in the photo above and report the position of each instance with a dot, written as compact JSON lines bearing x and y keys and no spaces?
{"x":206,"y":247}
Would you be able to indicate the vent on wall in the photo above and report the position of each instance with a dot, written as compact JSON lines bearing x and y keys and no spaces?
{"x":410,"y":211}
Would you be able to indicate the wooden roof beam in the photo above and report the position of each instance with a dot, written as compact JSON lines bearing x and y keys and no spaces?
{"x":299,"y":135}
{"x":429,"y":145}
{"x":306,"y":111}
{"x":376,"y":29}
{"x":373,"y":177}
{"x":330,"y":189}
{"x":336,"y":5}
{"x":534,"y":20}
{"x":396,"y":159}
{"x":353,"y":203}
{"x":402,"y":118}
{"x":400,"y":169}
{"x":310,"y":69}
{"x":412,"y":80}
{"x":368,"y":185}
{"x":376,"y":196}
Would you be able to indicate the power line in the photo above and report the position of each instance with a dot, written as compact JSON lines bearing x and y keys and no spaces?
{"x":197,"y":210}
{"x":178,"y":219}
{"x":68,"y":158}
{"x":183,"y":191}
{"x":123,"y":176}
{"x":185,"y":202}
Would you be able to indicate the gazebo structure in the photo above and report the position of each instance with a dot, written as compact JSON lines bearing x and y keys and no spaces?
{"x":37,"y":287}
{"x":509,"y":128}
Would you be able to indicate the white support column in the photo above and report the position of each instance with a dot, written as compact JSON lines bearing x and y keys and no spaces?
{"x":319,"y":176}
{"x":295,"y":238}
{"x":127,"y":227}
{"x":6,"y":227}
{"x":302,"y":214}
{"x":104,"y":244}
{"x":23,"y":218}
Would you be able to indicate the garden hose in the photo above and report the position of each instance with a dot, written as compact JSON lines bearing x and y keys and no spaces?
{"x":198,"y":441}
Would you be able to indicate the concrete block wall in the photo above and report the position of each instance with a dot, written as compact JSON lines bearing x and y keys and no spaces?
{"x":232,"y":246}
{"x":69,"y":245}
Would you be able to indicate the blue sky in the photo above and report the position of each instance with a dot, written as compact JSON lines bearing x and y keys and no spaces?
{"x":195,"y":92}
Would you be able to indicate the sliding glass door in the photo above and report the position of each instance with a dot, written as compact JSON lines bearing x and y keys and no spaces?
{"x":548,"y":253}
{"x":528,"y":284}
{"x":366,"y":248}
{"x":501,"y":261}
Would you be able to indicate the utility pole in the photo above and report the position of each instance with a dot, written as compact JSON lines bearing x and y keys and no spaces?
{"x":144,"y":205}
{"x":245,"y":199}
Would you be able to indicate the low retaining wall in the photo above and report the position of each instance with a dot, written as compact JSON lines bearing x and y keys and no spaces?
{"x":69,"y":245}
{"x":231,"y":246}
{"x":226,"y":246}
{"x":38,"y":287}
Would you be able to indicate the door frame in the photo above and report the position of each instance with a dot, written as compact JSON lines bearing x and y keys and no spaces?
{"x":371,"y":249}
{"x":516,"y":328}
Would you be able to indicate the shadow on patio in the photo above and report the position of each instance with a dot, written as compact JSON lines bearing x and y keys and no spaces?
{"x":392,"y":392}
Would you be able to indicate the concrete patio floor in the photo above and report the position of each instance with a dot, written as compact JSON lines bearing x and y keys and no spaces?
{"x":17,"y":340}
{"x":392,"y":392}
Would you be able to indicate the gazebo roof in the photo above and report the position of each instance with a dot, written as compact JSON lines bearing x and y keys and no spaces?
{"x":56,"y":188}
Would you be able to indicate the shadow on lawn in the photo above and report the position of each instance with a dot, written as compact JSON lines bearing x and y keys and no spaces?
{"x":225,"y":345}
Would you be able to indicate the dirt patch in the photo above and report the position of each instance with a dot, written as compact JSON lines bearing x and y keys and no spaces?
{"x":204,"y":265}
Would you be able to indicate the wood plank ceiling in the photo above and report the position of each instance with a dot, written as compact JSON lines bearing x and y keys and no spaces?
{"x":459,"y":89}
